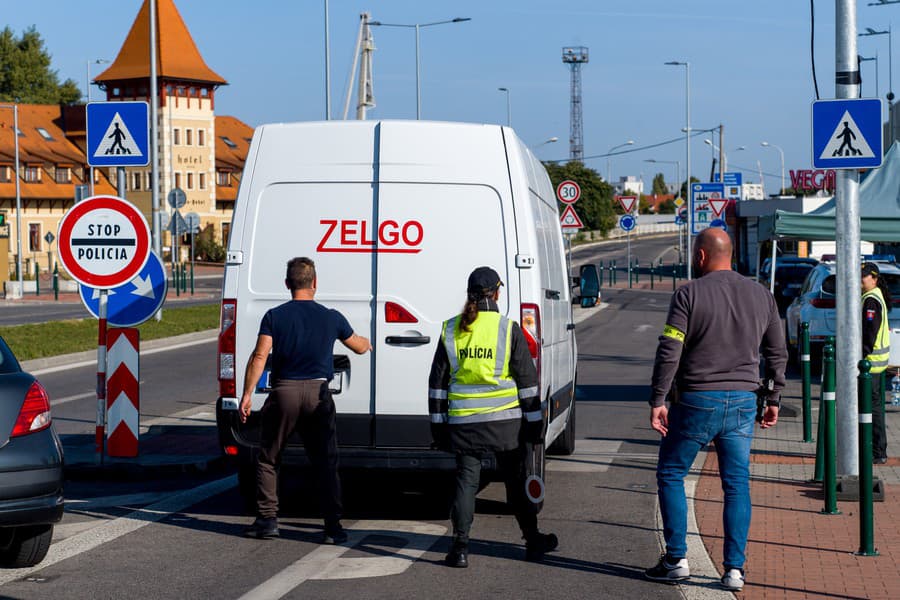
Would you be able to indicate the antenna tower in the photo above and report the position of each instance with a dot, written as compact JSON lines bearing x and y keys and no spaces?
{"x":574,"y":56}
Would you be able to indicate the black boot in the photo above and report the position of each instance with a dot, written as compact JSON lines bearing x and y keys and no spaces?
{"x":458,"y":556}
{"x":538,"y":544}
{"x":263,"y":528}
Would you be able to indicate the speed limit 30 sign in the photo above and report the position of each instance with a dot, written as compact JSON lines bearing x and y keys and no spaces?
{"x":104,"y":242}
{"x":568,"y":192}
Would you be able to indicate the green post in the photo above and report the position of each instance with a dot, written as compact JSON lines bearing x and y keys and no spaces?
{"x":629,"y":275}
{"x":652,"y":275}
{"x":659,"y":270}
{"x":805,"y":377}
{"x":192,"y":278}
{"x":866,"y":510}
{"x":37,"y":280}
{"x":637,"y":271}
{"x":610,"y":273}
{"x":56,"y":282}
{"x":828,"y":397}
{"x":615,"y":275}
{"x":674,"y":277}
{"x":175,"y":281}
{"x":184,"y":278}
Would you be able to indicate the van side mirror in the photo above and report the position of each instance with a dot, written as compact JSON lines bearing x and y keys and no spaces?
{"x":589,"y":281}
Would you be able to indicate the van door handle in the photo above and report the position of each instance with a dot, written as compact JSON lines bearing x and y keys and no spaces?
{"x":414,"y":340}
{"x":551,"y":294}
{"x":570,"y":326}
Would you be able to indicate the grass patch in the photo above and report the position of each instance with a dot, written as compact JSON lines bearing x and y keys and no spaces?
{"x":38,"y":340}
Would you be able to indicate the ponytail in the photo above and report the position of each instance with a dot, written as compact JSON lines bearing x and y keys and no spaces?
{"x":885,"y":292}
{"x":469,"y":313}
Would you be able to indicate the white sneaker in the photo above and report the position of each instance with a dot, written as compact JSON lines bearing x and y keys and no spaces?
{"x":668,"y":572}
{"x":733,"y":580}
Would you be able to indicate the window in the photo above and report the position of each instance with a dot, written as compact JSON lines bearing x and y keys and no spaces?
{"x":32,"y":174}
{"x":5,"y":174}
{"x":44,"y":134}
{"x":178,"y":180}
{"x":201,"y":137}
{"x":188,"y":137}
{"x":63,"y":175}
{"x":148,"y":180}
{"x":223,"y":178}
{"x":204,"y":92}
{"x":176,"y":136}
{"x":136,"y":181}
{"x":202,"y":180}
{"x":34,"y":237}
{"x":226,"y":229}
{"x":228,"y":142}
{"x":190,"y":181}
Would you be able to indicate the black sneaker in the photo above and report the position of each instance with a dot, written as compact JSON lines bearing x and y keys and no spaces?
{"x":539,"y":544}
{"x":879,"y":460}
{"x":263,"y":528}
{"x":669,"y":572}
{"x":335,"y":534}
{"x":458,"y":557}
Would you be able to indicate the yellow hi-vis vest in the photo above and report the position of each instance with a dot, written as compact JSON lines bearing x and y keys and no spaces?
{"x":881,"y":350}
{"x":481,"y":388}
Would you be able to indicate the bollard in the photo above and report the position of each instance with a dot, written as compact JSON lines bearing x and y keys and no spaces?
{"x":674,"y":277}
{"x":652,"y":278}
{"x":37,"y":280}
{"x":629,"y":276}
{"x":805,"y":376}
{"x":830,"y":445}
{"x":610,"y":273}
{"x":175,"y":282}
{"x":615,"y":274}
{"x":192,"y":278}
{"x":866,"y":510}
{"x":183,"y":278}
{"x":56,"y":282}
{"x":600,"y":271}
{"x":637,"y":271}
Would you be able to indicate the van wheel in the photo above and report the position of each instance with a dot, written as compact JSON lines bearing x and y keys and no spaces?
{"x":565,"y":443}
{"x":28,"y":547}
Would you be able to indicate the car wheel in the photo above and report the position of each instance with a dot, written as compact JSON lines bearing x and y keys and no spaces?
{"x":565,"y":443}
{"x":28,"y":546}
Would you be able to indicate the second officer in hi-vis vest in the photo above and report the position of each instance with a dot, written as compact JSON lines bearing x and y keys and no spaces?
{"x":484,"y":398}
{"x":876,"y":341}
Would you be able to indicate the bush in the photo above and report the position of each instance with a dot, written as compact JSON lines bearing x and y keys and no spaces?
{"x":206,"y":248}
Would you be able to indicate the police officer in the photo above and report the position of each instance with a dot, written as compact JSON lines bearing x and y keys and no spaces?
{"x":484,"y":398}
{"x":876,"y":339}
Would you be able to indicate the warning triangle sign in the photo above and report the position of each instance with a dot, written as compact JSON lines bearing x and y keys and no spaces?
{"x":117,"y":140}
{"x":627,"y":202}
{"x":717,"y":205}
{"x":847,"y":140}
{"x":569,"y":219}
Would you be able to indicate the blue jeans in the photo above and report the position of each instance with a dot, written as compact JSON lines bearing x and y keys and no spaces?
{"x":698,"y":418}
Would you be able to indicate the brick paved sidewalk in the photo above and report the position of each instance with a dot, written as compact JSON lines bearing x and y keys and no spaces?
{"x":794,"y":551}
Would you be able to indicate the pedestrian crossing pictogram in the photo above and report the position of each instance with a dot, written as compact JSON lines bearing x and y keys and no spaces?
{"x":847,"y":140}
{"x":117,"y":140}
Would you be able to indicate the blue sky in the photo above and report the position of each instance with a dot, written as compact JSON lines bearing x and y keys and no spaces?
{"x":750,"y":67}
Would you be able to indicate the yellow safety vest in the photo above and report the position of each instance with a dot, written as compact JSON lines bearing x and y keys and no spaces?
{"x":481,"y":388}
{"x":882,"y":349}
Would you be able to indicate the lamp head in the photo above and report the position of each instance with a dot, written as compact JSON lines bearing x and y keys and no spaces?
{"x":461,"y":19}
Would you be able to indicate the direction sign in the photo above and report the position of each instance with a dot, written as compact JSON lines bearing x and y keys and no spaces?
{"x":627,"y":222}
{"x":177,"y":198}
{"x":731,"y":178}
{"x":118,"y":134}
{"x":701,"y":210}
{"x":847,"y":133}
{"x":627,"y":202}
{"x":134,"y":302}
{"x":103,"y":241}
{"x":569,"y":219}
{"x":568,"y":192}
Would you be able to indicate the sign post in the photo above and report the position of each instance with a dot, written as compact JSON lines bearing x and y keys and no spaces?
{"x":568,"y":192}
{"x":103,"y":242}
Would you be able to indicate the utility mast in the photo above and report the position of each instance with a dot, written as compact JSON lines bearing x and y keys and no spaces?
{"x":574,"y":56}
{"x":362,"y":55}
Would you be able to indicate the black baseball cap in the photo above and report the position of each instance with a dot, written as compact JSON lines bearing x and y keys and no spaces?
{"x":483,"y":280}
{"x":870,"y":268}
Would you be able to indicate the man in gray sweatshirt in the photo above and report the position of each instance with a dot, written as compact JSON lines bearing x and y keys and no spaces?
{"x":708,"y":354}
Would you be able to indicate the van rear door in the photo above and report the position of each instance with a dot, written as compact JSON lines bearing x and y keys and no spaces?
{"x":431,"y":236}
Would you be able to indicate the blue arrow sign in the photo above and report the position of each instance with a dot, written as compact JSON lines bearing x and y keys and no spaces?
{"x":134,"y":302}
{"x":847,"y":133}
{"x":720,"y":223}
{"x":118,"y":134}
{"x":627,"y":222}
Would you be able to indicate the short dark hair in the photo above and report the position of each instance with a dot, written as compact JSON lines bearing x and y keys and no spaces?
{"x":301,"y":272}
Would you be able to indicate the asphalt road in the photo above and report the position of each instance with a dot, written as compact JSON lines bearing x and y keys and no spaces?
{"x":181,"y":538}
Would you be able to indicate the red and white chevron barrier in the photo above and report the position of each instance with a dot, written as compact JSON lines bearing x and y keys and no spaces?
{"x":122,"y":391}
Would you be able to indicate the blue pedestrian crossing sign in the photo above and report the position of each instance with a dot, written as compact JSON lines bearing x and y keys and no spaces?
{"x":847,"y":133}
{"x":118,"y":134}
{"x":134,"y":302}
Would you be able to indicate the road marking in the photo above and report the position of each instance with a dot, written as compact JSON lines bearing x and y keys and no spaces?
{"x":86,"y":363}
{"x":328,"y":562}
{"x":582,"y":314}
{"x":593,"y":456}
{"x":123,"y":500}
{"x":58,"y":401}
{"x":642,"y":328}
{"x":110,"y":530}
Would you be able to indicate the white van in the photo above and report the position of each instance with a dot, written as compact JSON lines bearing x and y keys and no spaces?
{"x":395,"y":214}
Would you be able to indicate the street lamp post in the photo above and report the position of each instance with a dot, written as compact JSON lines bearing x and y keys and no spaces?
{"x":863,"y":59}
{"x":99,"y":61}
{"x":608,"y":165}
{"x":768,"y":145}
{"x":15,"y":109}
{"x":548,"y":141}
{"x":677,"y":191}
{"x":687,"y":143}
{"x":890,"y":95}
{"x":508,"y":121}
{"x":418,"y":26}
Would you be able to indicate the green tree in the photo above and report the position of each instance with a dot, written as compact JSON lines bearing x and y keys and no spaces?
{"x":667,"y":207}
{"x":25,"y":73}
{"x":595,"y":205}
{"x":683,"y":192}
{"x":659,"y":185}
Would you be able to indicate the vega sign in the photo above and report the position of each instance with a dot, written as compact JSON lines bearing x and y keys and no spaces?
{"x":813,"y":180}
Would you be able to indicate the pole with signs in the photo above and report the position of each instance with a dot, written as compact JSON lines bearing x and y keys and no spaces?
{"x":568,"y":192}
{"x":627,"y":223}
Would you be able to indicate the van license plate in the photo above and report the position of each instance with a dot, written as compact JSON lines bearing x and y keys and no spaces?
{"x":264,"y":385}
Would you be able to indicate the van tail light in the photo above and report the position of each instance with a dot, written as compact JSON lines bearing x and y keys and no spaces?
{"x":822,"y":302}
{"x":531,"y":328}
{"x":227,"y":343}
{"x":394,"y":313}
{"x":35,"y":413}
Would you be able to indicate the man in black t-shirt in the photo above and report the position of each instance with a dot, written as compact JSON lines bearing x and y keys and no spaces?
{"x":300,"y":335}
